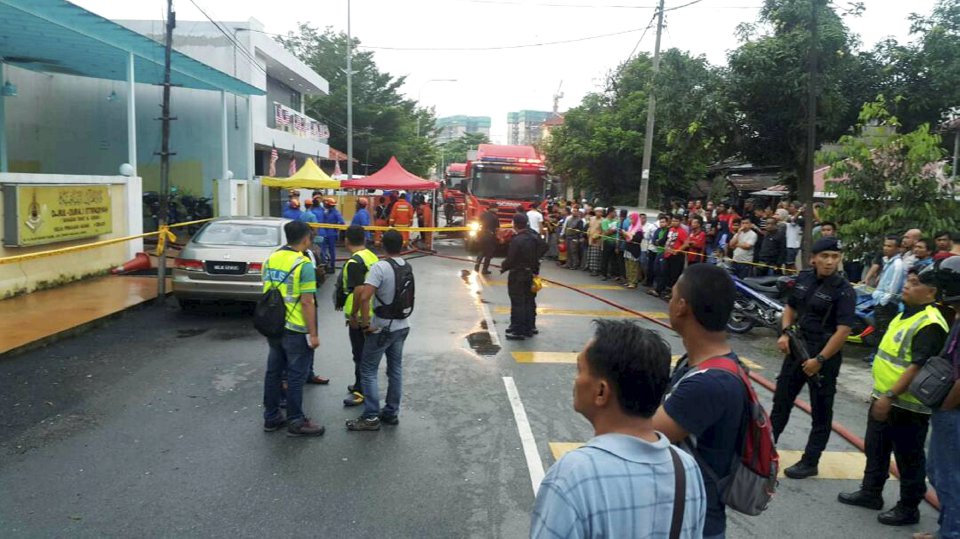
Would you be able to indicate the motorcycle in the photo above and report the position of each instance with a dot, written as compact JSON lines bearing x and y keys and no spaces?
{"x":759,"y":302}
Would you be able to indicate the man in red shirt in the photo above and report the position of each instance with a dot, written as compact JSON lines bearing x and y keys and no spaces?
{"x":672,"y":259}
{"x":696,"y":242}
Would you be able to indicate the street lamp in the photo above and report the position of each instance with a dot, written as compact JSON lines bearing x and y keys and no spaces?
{"x":420,"y":92}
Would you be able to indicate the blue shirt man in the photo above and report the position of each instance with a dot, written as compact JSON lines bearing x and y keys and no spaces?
{"x":308,"y":216}
{"x":292,"y":211}
{"x":622,"y":483}
{"x":362,"y":217}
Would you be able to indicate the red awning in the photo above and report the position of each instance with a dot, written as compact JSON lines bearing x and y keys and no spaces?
{"x":392,"y":177}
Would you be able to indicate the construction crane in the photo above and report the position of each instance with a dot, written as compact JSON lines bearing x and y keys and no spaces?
{"x":556,"y":99}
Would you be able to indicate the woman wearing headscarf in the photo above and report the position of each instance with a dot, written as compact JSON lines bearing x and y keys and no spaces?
{"x":632,"y":249}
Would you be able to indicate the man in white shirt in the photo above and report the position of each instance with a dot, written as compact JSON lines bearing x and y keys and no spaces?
{"x":536,"y":220}
{"x":742,"y":244}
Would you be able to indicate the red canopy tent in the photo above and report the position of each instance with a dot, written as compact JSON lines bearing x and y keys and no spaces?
{"x":392,"y":177}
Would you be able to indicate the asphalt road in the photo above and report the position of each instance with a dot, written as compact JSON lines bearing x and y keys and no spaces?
{"x":149,"y":426}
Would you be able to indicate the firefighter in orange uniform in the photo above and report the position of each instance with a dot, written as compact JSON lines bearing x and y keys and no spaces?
{"x":425,"y":217}
{"x":401,"y":216}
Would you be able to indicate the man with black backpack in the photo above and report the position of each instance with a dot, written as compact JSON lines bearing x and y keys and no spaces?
{"x":353,"y":275}
{"x":731,"y":438}
{"x":390,"y":286}
{"x":287,"y":316}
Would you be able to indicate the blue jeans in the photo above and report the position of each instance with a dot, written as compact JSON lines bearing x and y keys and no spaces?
{"x":328,"y":251}
{"x":374,"y":347}
{"x":292,"y":354}
{"x":943,"y":470}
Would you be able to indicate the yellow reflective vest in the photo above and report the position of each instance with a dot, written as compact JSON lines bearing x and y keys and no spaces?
{"x":369,"y":259}
{"x":896,"y":351}
{"x":277,"y":270}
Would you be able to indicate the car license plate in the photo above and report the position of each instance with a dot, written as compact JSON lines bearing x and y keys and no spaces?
{"x":226,"y":268}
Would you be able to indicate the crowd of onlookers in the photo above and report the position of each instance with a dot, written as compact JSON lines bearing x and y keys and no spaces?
{"x":754,"y":240}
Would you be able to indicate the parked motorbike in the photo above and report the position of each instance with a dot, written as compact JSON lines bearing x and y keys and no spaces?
{"x":760,"y":300}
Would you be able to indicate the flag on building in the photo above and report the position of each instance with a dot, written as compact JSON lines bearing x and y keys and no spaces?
{"x":336,"y":169}
{"x":293,"y":165}
{"x":274,"y":156}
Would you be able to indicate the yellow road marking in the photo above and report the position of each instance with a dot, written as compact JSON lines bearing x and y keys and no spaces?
{"x":833,"y":464}
{"x":571,"y":358}
{"x":545,"y":357}
{"x":559,"y":449}
{"x":548,"y":311}
{"x":575,"y":285}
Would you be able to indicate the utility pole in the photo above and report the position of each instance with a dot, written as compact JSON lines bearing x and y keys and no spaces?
{"x":349,"y":97}
{"x":651,"y":116}
{"x":165,"y":152}
{"x":805,"y":183}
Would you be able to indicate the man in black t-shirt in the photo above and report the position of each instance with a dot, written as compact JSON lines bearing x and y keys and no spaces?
{"x":700,"y":307}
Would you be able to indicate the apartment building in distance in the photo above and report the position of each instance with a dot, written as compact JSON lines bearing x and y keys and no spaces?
{"x":524,"y":127}
{"x":454,"y":127}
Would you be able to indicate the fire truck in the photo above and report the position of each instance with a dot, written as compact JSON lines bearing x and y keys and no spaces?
{"x":503,"y":179}
{"x":454,"y":200}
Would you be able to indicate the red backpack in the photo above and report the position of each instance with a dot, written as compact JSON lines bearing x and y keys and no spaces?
{"x":752,"y":481}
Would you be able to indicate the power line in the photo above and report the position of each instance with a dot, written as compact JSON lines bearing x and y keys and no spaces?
{"x":588,"y":6}
{"x":504,"y":47}
{"x":688,"y":4}
{"x":645,"y":30}
{"x":236,"y":43}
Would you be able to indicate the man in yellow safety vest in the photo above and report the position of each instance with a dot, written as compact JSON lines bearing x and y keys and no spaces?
{"x":353,"y":274}
{"x":295,"y":277}
{"x":897,"y":421}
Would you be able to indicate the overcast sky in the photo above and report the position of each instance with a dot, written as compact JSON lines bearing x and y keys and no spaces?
{"x":494,"y":82}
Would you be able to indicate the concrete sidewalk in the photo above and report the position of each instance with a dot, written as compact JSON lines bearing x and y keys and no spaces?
{"x":38,"y":316}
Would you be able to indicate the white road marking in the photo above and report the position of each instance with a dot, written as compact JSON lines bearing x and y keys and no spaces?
{"x":534,"y":464}
{"x":491,"y":329}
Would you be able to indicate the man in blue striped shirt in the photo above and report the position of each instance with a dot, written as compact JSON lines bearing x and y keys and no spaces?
{"x":622,"y":482}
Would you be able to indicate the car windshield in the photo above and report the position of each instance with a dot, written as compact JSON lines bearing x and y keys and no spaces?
{"x":243,"y":235}
{"x":507,"y":185}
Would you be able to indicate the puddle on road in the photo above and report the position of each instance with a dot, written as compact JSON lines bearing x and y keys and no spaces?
{"x":481,"y":342}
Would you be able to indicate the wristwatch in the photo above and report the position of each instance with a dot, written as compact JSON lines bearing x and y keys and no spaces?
{"x":820,"y":359}
{"x":890,"y":395}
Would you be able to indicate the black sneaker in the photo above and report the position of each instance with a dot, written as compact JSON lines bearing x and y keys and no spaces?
{"x":304,"y":428}
{"x":801,"y":470}
{"x":862,"y":498}
{"x":351,"y":388}
{"x":486,"y":272}
{"x":389,"y":419}
{"x":275,"y":425}
{"x":899,"y":516}
{"x":364,"y":423}
{"x":355,"y":399}
{"x":515,"y":337}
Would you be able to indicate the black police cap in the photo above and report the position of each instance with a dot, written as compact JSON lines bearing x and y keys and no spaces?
{"x":826,"y":244}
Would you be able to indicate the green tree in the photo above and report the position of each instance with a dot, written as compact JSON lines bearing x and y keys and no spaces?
{"x":892,"y":182}
{"x":769,"y":76}
{"x":599,"y":148}
{"x":455,"y":151}
{"x":385,"y":123}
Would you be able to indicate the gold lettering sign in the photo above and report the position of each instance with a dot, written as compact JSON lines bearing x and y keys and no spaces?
{"x":55,"y":213}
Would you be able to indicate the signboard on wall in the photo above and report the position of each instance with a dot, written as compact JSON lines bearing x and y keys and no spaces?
{"x":41,"y":214}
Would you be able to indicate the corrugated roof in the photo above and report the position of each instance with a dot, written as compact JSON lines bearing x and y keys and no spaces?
{"x":753,"y":182}
{"x":55,"y":36}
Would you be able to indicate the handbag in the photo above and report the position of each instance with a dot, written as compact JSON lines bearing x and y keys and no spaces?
{"x":935,"y":380}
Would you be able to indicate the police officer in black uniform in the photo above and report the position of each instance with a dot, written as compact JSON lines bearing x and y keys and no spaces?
{"x":523,"y":262}
{"x":822,"y":308}
{"x":489,"y":223}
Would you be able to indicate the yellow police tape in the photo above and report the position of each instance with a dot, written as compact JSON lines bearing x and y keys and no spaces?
{"x":397,"y":227}
{"x":164,"y":235}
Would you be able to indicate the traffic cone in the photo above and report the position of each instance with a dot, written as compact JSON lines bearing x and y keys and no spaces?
{"x":139,"y":262}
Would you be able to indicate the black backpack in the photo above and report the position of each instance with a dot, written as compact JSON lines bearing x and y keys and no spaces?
{"x":402,"y":305}
{"x":270,"y":315}
{"x":339,"y":293}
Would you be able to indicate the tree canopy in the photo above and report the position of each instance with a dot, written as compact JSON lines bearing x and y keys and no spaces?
{"x":385,"y":123}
